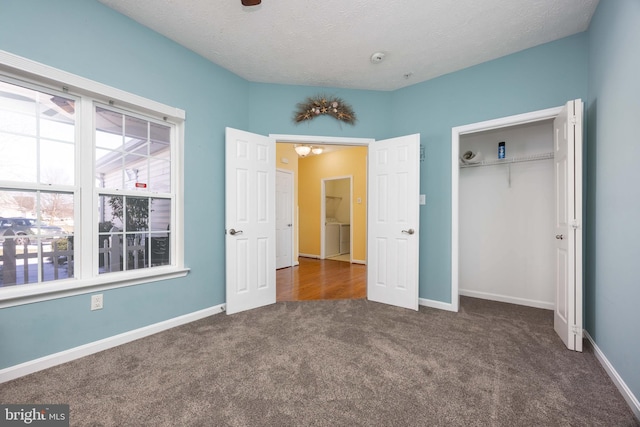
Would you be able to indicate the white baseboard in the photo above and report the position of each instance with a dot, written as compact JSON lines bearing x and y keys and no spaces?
{"x":436,"y":304}
{"x":309,"y":256}
{"x":358,"y":261}
{"x":508,"y":299}
{"x":628,"y":395}
{"x":13,"y":372}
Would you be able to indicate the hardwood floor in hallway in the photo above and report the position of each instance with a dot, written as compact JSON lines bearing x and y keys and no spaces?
{"x":316,"y":279}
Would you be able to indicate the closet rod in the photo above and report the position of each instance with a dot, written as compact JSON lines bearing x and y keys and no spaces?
{"x":531,"y":158}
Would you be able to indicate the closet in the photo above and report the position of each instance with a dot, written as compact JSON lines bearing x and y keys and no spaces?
{"x":506,"y":215}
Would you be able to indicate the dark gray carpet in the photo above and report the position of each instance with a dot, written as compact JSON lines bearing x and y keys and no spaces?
{"x":339,"y":363}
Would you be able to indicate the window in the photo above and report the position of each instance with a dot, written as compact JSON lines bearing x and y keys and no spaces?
{"x":133,"y":154}
{"x":89,"y":187}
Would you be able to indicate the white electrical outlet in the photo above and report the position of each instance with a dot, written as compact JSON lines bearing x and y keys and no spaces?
{"x":96,"y":302}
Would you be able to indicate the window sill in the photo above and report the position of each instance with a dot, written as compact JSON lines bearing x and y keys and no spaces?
{"x":27,"y":294}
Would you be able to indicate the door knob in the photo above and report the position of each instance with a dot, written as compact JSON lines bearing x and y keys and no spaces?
{"x":289,"y":225}
{"x":234,"y":232}
{"x":559,"y":236}
{"x":409,"y":231}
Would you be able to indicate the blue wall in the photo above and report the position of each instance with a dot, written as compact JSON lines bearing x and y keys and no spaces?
{"x":90,"y":40}
{"x":538,"y":78}
{"x":271,"y":110}
{"x":612,"y":283}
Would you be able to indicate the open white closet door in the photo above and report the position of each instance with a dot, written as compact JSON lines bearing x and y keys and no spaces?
{"x":249,"y":221}
{"x":567,"y":319}
{"x":393,"y":221}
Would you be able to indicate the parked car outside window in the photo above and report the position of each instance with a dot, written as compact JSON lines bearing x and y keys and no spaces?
{"x":26,"y":228}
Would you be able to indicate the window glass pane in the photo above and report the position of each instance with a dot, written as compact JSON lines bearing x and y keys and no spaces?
{"x":160,"y":254}
{"x":26,"y":118}
{"x":21,"y":205}
{"x":160,"y":150}
{"x":109,"y":129}
{"x":58,"y":262}
{"x":160,"y":179}
{"x":145,"y":155}
{"x":135,"y":172}
{"x":36,"y":234}
{"x":57,"y":214}
{"x":57,"y":118}
{"x":110,"y":213}
{"x":109,"y":173}
{"x":18,"y":158}
{"x":18,"y":264}
{"x":57,"y":129}
{"x":137,"y":209}
{"x":136,"y":130}
{"x":160,"y":215}
{"x":160,"y":133}
{"x":110,"y":250}
{"x":57,"y":163}
{"x":17,"y":109}
{"x":136,"y":251}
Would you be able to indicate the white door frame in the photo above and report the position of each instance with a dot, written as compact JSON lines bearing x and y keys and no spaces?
{"x":456,"y":132}
{"x":323,"y":212}
{"x":294,"y":223}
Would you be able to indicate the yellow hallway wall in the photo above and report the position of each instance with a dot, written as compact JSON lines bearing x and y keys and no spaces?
{"x":312,"y":170}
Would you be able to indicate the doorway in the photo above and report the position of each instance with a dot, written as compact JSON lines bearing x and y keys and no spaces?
{"x":566,"y":206}
{"x":391,"y":211}
{"x":329,"y":205}
{"x":284,"y":218}
{"x":336,"y":203}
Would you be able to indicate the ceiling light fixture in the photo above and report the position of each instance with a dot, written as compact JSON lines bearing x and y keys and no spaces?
{"x":303,"y":150}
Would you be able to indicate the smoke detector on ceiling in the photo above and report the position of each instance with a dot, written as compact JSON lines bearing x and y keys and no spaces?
{"x":377,"y":57}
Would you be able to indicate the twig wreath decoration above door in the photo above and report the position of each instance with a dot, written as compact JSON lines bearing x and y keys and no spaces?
{"x":321,"y":105}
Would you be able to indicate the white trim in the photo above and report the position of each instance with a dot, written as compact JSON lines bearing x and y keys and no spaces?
{"x":323,"y":213}
{"x":309,"y":256}
{"x":55,"y":359}
{"x":626,"y":392}
{"x":358,"y":261}
{"x":438,"y":304}
{"x":518,"y":119}
{"x":326,"y":140}
{"x":508,"y":299}
{"x":23,"y":67}
{"x":37,"y":292}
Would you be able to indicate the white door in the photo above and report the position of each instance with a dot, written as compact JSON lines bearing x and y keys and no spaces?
{"x":567,"y":319}
{"x":393,"y":221}
{"x":249,"y":221}
{"x":284,"y":219}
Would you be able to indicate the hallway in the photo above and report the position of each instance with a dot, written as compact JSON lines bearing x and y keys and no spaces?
{"x":316,"y":279}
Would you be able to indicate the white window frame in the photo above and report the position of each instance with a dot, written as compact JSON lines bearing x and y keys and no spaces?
{"x":89,"y":94}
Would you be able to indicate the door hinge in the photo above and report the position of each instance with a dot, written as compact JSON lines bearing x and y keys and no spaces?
{"x":573,"y":120}
{"x":574,"y":224}
{"x":575,"y":330}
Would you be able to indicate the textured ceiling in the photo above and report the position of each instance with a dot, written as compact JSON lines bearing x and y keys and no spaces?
{"x":330,"y":42}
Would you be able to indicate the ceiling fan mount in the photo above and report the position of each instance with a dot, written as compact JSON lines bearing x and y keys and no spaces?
{"x":250,"y":2}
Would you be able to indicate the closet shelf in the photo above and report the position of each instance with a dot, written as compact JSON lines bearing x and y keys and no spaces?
{"x":531,"y":158}
{"x":333,"y":197}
